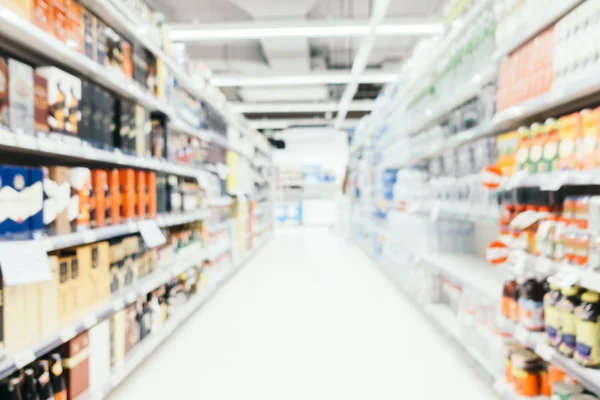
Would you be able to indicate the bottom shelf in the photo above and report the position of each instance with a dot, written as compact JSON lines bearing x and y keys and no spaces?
{"x":150,"y":343}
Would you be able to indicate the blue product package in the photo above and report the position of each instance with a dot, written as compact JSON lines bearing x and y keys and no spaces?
{"x":2,"y":209}
{"x":36,"y":200}
{"x":13,"y":204}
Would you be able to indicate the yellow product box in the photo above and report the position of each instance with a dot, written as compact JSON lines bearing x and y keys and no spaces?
{"x":570,"y":141}
{"x":590,"y":122}
{"x":522,"y":160}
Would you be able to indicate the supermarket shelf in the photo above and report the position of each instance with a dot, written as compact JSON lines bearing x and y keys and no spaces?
{"x":186,"y":259}
{"x":553,"y":180}
{"x":215,"y":252}
{"x":219,"y":227}
{"x":69,"y":152}
{"x":472,"y":271}
{"x":224,"y":201}
{"x":536,"y":26}
{"x":151,"y":343}
{"x":108,"y":232}
{"x":560,"y":95}
{"x":589,"y":378}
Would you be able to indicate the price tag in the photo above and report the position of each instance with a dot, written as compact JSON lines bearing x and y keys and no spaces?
{"x":118,"y":304}
{"x":132,"y":227}
{"x":517,"y":178}
{"x":554,"y":182}
{"x":88,"y":236}
{"x":151,"y":234}
{"x":68,"y":334}
{"x":24,"y":358}
{"x":24,"y":262}
{"x":90,"y":321}
{"x":521,"y":334}
{"x":544,"y":351}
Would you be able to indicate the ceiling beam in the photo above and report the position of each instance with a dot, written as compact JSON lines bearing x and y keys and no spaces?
{"x":324,"y":78}
{"x":278,"y":124}
{"x":361,"y":59}
{"x":261,"y":29}
{"x":243,"y":108}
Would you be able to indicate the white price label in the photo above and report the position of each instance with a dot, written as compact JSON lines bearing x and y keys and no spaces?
{"x":118,"y":304}
{"x":132,"y":227}
{"x":544,"y":351}
{"x":553,"y":182}
{"x":24,"y":358}
{"x":88,"y":236}
{"x":151,"y":234}
{"x":521,"y":334}
{"x":68,"y":334}
{"x":90,"y":321}
{"x":24,"y":262}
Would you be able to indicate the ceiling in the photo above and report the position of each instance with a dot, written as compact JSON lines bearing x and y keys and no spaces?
{"x":292,"y":56}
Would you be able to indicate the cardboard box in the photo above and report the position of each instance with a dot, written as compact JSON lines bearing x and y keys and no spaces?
{"x":117,"y":338}
{"x":132,"y":332}
{"x":99,"y":356}
{"x":127,"y":58}
{"x":65,"y":295}
{"x":76,"y":362}
{"x":81,"y":279}
{"x":81,"y":186}
{"x":41,"y":126}
{"x":100,"y":273}
{"x":16,"y":96}
{"x":14,"y":182}
{"x":98,"y":200}
{"x":60,"y":20}
{"x":42,"y":15}
{"x":141,"y":194}
{"x":127,"y":186}
{"x":152,"y":193}
{"x":90,"y":32}
{"x":17,"y":301}
{"x":47,"y":309}
{"x":58,"y":201}
{"x":114,"y":51}
{"x":64,"y":94}
{"x":108,"y":110}
{"x":75,"y":35}
{"x":140,"y":64}
{"x":114,"y":200}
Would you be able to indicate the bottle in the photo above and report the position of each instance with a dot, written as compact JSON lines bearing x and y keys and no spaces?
{"x":587,"y":351}
{"x":56,"y":377}
{"x":551,"y":314}
{"x":11,"y":389}
{"x":531,"y":306}
{"x":29,"y":386}
{"x":42,"y":375}
{"x":570,"y":300}
{"x":508,"y":294}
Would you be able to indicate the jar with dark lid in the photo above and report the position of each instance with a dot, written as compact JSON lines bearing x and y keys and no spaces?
{"x":570,"y":300}
{"x":526,"y":367}
{"x":552,"y":315}
{"x":508,"y":295}
{"x":531,"y":304}
{"x":587,"y":351}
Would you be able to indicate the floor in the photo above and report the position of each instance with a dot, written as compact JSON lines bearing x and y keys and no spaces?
{"x":309,"y":317}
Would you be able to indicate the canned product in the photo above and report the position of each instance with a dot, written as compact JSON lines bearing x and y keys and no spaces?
{"x":526,"y":368}
{"x":565,"y":391}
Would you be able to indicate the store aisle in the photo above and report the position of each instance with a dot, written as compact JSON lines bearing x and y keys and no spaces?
{"x":309,"y":317}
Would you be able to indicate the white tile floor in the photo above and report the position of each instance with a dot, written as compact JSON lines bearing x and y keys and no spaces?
{"x":311,"y":318}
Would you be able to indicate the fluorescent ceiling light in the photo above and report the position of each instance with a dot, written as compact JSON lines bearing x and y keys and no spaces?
{"x":300,"y":29}
{"x":244,"y":108}
{"x":278,"y":124}
{"x":294,"y":80}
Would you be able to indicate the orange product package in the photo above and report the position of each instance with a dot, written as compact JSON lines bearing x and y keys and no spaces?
{"x":75,"y":26}
{"x":42,"y":15}
{"x":151,"y":190}
{"x":141,"y":194}
{"x":127,"y":189}
{"x":99,"y":185}
{"x":60,"y":20}
{"x":526,"y":368}
{"x":570,"y":131}
{"x":114,"y":198}
{"x":590,"y":125}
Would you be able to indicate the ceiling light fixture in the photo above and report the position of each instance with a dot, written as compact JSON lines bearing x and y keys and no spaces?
{"x":282,"y":108}
{"x":294,"y":80}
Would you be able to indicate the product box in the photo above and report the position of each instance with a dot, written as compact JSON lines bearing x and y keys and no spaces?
{"x":76,"y":363}
{"x":127,"y":185}
{"x":81,"y":186}
{"x":122,"y":124}
{"x":131,"y":122}
{"x":142,"y":123}
{"x":117,"y":338}
{"x":114,"y":199}
{"x":75,"y":29}
{"x":83,"y":292}
{"x":13,"y":182}
{"x":117,"y":254}
{"x":17,"y":301}
{"x":42,"y":15}
{"x":20,"y":7}
{"x":60,"y":19}
{"x":552,"y":141}
{"x":40,"y":90}
{"x":151,"y":81}
{"x":127,"y":58}
{"x":90,"y":32}
{"x":47,"y":308}
{"x":16,"y":96}
{"x":132,"y":333}
{"x":114,"y":51}
{"x":98,"y":203}
{"x":140,"y":64}
{"x":96,"y":135}
{"x":159,"y":137}
{"x":100,"y":273}
{"x":99,"y":356}
{"x":161,"y":193}
{"x":65,"y":296}
{"x":538,"y":138}
{"x":151,"y":188}
{"x":108,"y":106}
{"x":590,"y":122}
{"x":87,"y":125}
{"x":570,"y":131}
{"x":522,"y":156}
{"x":64,"y":94}
{"x":59,"y":206}
{"x":100,"y":44}
{"x":35,"y":200}
{"x":141,"y":194}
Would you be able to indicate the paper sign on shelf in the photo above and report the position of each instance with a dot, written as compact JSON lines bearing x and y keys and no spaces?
{"x":151,"y":233}
{"x":24,"y":262}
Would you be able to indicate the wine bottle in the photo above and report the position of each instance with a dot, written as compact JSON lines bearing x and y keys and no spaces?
{"x":11,"y":389}
{"x":44,"y":386}
{"x":29,"y":386}
{"x":56,"y":377}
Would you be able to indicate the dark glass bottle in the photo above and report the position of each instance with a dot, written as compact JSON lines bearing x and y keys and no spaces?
{"x":29,"y":386}
{"x":11,"y":389}
{"x":44,"y":386}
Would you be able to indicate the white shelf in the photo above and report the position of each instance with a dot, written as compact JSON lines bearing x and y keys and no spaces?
{"x":536,"y":26}
{"x":219,"y":227}
{"x":224,"y":201}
